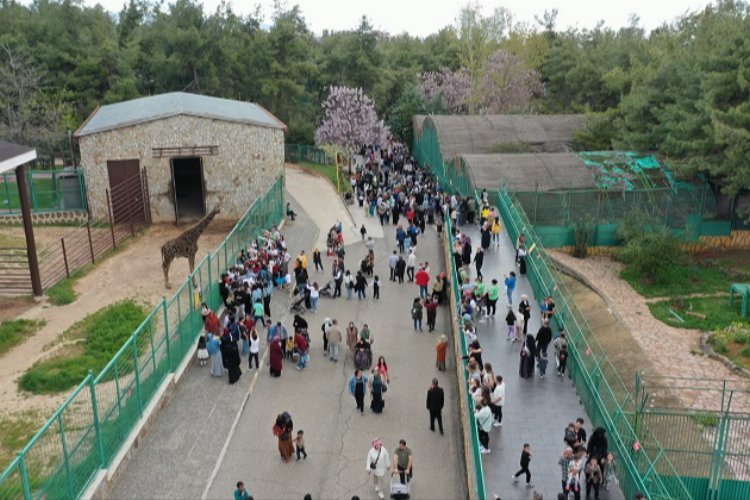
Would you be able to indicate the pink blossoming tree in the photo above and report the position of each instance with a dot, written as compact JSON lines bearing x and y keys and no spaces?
{"x":448,"y":88}
{"x":350,"y":120}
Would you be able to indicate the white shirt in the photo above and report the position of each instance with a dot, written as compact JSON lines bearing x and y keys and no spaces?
{"x":411,"y":261}
{"x":382,"y":462}
{"x":498,"y":395}
{"x":254,"y":345}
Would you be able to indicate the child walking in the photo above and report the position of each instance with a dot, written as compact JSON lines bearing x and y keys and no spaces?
{"x":376,"y":288}
{"x":299,"y":441}
{"x":510,"y":319}
{"x":525,"y":460}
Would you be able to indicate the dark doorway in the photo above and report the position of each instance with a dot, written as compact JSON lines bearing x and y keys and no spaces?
{"x":187,"y":179}
{"x":126,"y":191}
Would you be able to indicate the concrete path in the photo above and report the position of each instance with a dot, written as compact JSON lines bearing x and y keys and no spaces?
{"x":537,"y":410}
{"x":322,"y":204}
{"x":193,"y":449}
{"x":338,"y":438}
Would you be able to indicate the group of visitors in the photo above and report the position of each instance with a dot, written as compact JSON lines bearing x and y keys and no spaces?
{"x":585,"y":463}
{"x":245,"y":289}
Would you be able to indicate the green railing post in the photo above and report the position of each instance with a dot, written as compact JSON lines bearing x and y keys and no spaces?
{"x":97,"y":423}
{"x":66,"y":457}
{"x":32,"y":192}
{"x":119,"y":401}
{"x":151,"y":339}
{"x":24,"y":477}
{"x":179,"y":324}
{"x":210,"y":286}
{"x":166,"y":332}
{"x":137,"y":372}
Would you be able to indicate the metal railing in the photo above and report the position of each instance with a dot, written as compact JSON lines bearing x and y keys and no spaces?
{"x":643,"y":464}
{"x":295,"y":153}
{"x":455,"y":287}
{"x":90,"y":427}
{"x":49,"y":191}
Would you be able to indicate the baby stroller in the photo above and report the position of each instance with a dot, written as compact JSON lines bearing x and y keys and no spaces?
{"x":399,"y":490}
{"x":349,"y":198}
{"x":298,"y":302}
{"x":327,"y":291}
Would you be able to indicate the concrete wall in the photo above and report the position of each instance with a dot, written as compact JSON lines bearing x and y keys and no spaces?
{"x":249,"y":160}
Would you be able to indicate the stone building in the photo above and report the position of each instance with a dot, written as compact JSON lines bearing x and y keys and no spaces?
{"x":189,"y":152}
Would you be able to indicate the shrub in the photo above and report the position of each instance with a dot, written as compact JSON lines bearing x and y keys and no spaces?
{"x":583,"y":234}
{"x":650,"y":249}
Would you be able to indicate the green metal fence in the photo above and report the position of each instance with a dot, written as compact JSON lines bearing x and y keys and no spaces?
{"x":296,"y":153}
{"x":643,"y":463}
{"x":455,"y":286}
{"x":49,"y":191}
{"x":90,"y":427}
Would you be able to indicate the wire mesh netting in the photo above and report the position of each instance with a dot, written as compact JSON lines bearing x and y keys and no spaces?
{"x":89,"y":428}
{"x":48,"y":190}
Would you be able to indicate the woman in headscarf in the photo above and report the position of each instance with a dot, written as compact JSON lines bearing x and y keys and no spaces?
{"x":441,"y":350}
{"x":214,"y":350}
{"x":275,"y":357}
{"x":377,"y":387}
{"x":232,"y":355}
{"x":283,"y":429}
{"x":528,"y":354}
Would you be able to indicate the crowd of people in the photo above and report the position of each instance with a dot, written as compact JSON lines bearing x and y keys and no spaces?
{"x":393,"y":191}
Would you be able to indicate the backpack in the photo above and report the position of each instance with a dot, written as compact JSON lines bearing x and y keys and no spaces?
{"x":563,"y":355}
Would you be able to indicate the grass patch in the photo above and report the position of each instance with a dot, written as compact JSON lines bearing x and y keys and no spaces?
{"x":330,"y":172}
{"x":719,"y":314}
{"x":96,"y":339}
{"x":13,"y":331}
{"x":695,"y":276}
{"x":733,"y":341}
{"x":63,"y":292}
{"x":706,"y":419}
{"x":15,"y":432}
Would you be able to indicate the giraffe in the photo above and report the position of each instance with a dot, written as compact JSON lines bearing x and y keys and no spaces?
{"x":185,"y":245}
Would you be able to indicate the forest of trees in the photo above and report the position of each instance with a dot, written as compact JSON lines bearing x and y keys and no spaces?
{"x":682,"y":90}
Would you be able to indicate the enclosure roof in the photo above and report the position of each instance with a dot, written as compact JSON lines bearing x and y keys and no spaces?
{"x":529,"y":171}
{"x":14,"y":155}
{"x":417,"y":122}
{"x":157,"y":107}
{"x":477,"y":134}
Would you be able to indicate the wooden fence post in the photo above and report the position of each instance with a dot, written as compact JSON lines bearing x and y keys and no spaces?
{"x":65,"y":257}
{"x":91,"y":244}
{"x":111,"y":224}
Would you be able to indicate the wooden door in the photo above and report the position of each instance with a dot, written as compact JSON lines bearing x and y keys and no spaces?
{"x":125,"y":189}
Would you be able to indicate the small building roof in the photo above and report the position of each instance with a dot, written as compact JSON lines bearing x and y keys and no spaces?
{"x":14,"y":155}
{"x":158,"y":107}
{"x":480,"y":134}
{"x":529,"y":171}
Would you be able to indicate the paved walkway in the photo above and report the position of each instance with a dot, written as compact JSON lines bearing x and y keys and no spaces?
{"x":537,"y":410}
{"x":192,"y":449}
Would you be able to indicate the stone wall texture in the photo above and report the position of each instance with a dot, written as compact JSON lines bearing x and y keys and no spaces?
{"x":41,"y":218}
{"x":249,"y":160}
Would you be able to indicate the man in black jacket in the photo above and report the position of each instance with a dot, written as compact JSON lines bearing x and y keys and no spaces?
{"x":543,"y":339}
{"x":435,"y":401}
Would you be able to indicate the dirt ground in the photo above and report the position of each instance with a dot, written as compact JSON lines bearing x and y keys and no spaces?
{"x":670,"y":351}
{"x":135,"y":271}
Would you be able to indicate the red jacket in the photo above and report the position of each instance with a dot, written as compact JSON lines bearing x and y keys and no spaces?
{"x":422,"y":278}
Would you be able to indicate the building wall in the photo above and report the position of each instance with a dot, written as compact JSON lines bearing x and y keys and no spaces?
{"x":249,"y":160}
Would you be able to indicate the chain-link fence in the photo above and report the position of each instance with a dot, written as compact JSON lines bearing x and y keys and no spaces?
{"x":643,"y":462}
{"x":49,"y":191}
{"x":93,"y":423}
